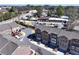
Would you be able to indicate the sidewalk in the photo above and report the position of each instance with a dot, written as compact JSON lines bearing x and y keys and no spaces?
{"x":45,"y":50}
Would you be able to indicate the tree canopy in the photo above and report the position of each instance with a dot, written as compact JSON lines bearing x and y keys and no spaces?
{"x":12,"y":9}
{"x":60,"y":10}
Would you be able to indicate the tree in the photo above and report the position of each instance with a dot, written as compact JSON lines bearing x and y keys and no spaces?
{"x":39,"y":10}
{"x":60,"y":10}
{"x":49,"y":13}
{"x":52,"y":8}
{"x":12,"y":9}
{"x":72,"y":12}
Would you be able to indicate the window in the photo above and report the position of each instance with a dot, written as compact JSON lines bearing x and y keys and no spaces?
{"x":60,"y":44}
{"x":77,"y":48}
{"x":38,"y":38}
{"x":38,"y":35}
{"x":65,"y":46}
{"x":61,"y":40}
{"x":54,"y":36}
{"x":72,"y":47}
{"x":65,"y":41}
{"x":53,"y":40}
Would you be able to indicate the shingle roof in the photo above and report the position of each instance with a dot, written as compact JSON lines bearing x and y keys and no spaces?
{"x":69,"y":34}
{"x":48,"y":29}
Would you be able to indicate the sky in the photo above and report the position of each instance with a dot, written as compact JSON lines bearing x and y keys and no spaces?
{"x":39,"y":2}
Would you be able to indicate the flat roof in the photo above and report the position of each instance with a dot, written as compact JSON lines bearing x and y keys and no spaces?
{"x":9,"y":48}
{"x":52,"y":18}
{"x":6,"y":47}
{"x":3,"y":41}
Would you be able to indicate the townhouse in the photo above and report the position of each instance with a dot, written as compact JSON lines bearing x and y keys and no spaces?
{"x":64,"y":41}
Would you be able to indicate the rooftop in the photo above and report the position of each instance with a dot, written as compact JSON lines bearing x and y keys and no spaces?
{"x":23,"y":50}
{"x":60,"y":32}
{"x":3,"y":10}
{"x":52,"y":18}
{"x":6,"y":47}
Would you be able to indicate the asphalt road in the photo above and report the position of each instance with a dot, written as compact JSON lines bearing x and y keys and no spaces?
{"x":35,"y":46}
{"x":27,"y":31}
{"x":7,"y":25}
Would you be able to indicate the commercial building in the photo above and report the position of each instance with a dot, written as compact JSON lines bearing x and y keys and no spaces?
{"x":53,"y":22}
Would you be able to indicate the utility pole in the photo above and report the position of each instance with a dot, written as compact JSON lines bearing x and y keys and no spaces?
{"x":10,"y":28}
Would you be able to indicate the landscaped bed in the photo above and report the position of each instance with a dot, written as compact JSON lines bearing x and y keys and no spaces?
{"x":21,"y":23}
